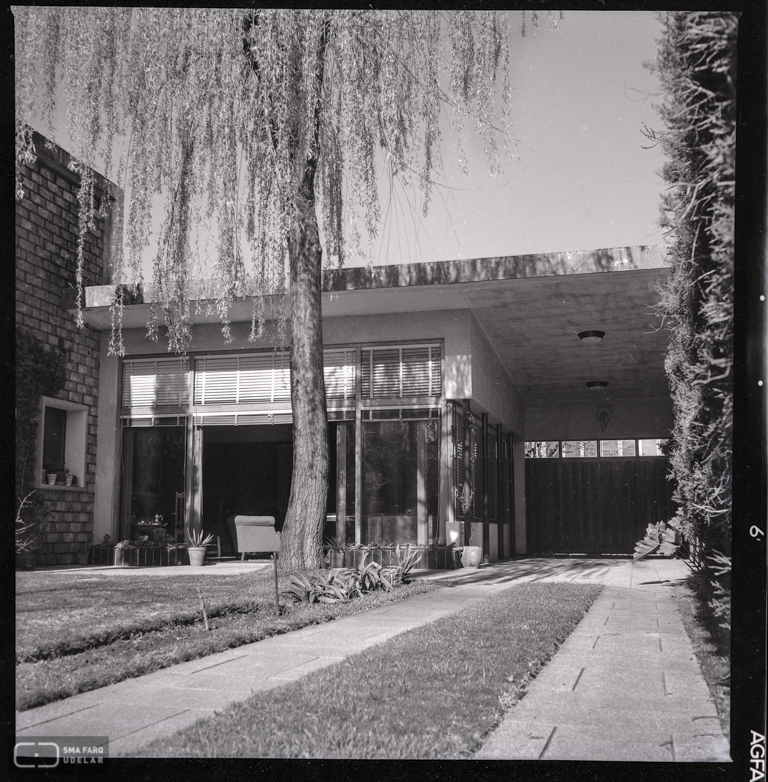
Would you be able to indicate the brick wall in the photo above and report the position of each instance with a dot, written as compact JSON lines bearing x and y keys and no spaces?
{"x":46,"y":258}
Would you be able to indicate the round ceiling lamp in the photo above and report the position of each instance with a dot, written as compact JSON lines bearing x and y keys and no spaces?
{"x":591,"y":336}
{"x":597,"y":385}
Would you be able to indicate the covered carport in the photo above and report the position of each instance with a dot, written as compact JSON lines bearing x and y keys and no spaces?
{"x":532,"y":310}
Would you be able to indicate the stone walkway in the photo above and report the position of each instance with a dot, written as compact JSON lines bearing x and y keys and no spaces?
{"x":624,"y":686}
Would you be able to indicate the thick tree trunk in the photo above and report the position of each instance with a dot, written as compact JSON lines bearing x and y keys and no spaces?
{"x":302,"y":535}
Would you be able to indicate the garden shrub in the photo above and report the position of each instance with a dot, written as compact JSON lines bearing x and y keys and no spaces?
{"x":696,"y":66}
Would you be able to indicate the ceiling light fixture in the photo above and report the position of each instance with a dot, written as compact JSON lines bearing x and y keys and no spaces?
{"x":591,"y":336}
{"x":597,"y":385}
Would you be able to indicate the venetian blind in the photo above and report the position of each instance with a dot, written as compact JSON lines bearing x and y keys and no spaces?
{"x":409,"y":370}
{"x":339,"y":372}
{"x":261,"y":377}
{"x":155,"y":382}
{"x":265,"y":377}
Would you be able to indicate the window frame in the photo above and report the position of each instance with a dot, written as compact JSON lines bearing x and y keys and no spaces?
{"x":636,"y":455}
{"x":75,"y":445}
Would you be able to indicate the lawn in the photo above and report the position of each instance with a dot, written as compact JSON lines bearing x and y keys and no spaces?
{"x":76,"y":633}
{"x":433,"y":692}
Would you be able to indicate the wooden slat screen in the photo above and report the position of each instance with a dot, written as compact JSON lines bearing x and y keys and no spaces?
{"x":458,"y":456}
{"x":491,"y":485}
{"x":594,"y":506}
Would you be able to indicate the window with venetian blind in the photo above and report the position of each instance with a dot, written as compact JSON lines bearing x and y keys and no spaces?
{"x":400,"y":371}
{"x":266,"y":377}
{"x":155,"y":382}
{"x":261,"y":377}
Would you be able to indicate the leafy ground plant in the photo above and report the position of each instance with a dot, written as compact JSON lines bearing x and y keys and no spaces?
{"x":343,"y":584}
{"x":434,"y":692}
{"x":76,"y":633}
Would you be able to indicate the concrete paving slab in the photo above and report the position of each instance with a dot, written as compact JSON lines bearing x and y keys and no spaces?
{"x":568,"y":743}
{"x":705,"y":748}
{"x":27,"y":721}
{"x":128,"y":744}
{"x":109,"y":719}
{"x":516,"y":740}
{"x":302,"y":670}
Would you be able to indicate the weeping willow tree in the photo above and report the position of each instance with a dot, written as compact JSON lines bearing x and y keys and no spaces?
{"x":274,"y":128}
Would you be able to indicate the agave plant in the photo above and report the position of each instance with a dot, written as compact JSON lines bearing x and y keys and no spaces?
{"x":198,"y":538}
{"x":400,"y":572}
{"x":322,"y":588}
{"x":660,"y":538}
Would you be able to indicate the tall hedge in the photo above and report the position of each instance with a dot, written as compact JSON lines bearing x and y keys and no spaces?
{"x":696,"y":66}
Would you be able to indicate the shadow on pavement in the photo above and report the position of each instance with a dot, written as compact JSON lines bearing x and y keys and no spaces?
{"x":529,"y":569}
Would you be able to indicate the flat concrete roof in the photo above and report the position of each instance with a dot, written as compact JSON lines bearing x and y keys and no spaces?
{"x":531,"y":307}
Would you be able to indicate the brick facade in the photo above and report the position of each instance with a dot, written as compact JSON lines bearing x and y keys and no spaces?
{"x":46,"y":260}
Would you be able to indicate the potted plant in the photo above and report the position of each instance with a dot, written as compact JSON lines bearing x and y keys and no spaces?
{"x":334,"y":552}
{"x":51,"y":473}
{"x":197,"y":541}
{"x":471,"y":556}
{"x":67,"y":476}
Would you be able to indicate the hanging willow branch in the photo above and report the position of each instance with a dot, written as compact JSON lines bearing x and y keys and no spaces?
{"x":219,"y":110}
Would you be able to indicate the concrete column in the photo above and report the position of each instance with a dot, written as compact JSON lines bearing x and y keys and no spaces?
{"x":106,"y":508}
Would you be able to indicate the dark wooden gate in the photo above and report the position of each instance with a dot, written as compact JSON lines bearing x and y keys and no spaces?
{"x":594,"y":506}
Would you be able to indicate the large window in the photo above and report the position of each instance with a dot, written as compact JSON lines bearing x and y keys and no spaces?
{"x":400,"y":476}
{"x":153,"y":476}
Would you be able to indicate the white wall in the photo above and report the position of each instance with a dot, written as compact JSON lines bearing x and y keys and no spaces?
{"x":492,"y":389}
{"x":646,"y":418}
{"x":107,"y":490}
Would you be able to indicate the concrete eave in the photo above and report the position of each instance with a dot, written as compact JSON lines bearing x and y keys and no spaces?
{"x":439,"y":285}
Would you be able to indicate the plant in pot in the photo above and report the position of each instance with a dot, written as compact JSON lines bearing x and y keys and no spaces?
{"x":471,"y":556}
{"x":334,"y":549}
{"x":68,"y":477}
{"x":197,"y":540}
{"x":51,"y":472}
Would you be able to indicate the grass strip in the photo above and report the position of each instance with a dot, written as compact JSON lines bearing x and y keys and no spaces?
{"x":433,"y":692}
{"x":61,"y":613}
{"x":711,"y":643}
{"x":103,"y":638}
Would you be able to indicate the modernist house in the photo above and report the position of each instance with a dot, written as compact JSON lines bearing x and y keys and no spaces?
{"x":431,"y":370}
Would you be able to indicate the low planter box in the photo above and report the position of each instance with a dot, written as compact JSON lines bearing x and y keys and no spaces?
{"x":150,"y":556}
{"x":102,"y":556}
{"x":444,"y":557}
{"x":430,"y":557}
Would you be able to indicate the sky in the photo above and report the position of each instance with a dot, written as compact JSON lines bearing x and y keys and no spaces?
{"x":580,"y":179}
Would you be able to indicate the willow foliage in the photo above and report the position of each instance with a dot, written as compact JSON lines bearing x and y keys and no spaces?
{"x":222,"y":109}
{"x":697,"y":69}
